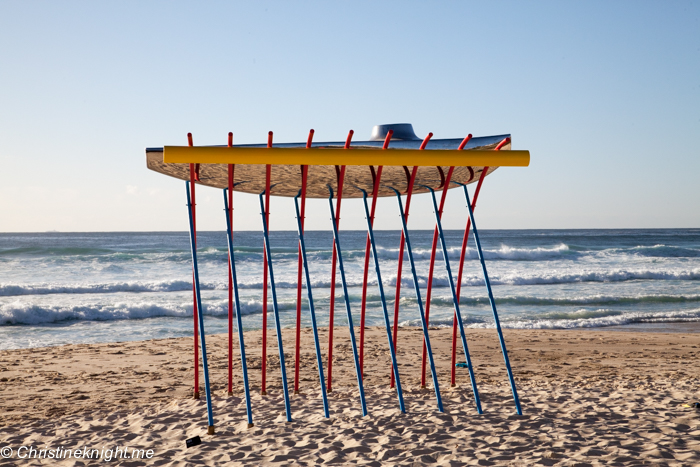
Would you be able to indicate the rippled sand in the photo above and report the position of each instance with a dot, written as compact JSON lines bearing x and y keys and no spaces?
{"x":588,"y":397}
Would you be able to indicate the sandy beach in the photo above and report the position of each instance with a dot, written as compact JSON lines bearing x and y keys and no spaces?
{"x":295,"y":169}
{"x":588,"y":397}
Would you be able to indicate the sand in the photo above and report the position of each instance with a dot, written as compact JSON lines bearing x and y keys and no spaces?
{"x":588,"y":397}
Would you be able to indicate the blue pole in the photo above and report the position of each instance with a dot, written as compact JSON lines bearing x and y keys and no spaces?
{"x":492,"y":301}
{"x":275,"y":308}
{"x":312,"y":310}
{"x":347,"y":305}
{"x":193,"y":247}
{"x":239,"y":323}
{"x":420,"y":302}
{"x":456,"y":302}
{"x":394,"y":364}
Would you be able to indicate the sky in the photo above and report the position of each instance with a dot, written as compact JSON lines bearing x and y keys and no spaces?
{"x":605,"y":96}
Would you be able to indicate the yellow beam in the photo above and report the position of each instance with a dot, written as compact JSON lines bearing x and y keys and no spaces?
{"x":340,"y":156}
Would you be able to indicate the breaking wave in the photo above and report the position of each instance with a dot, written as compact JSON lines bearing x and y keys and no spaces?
{"x":573,"y":320}
{"x":522,"y":278}
{"x":33,"y":314}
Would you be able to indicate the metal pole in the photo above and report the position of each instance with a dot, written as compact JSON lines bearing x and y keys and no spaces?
{"x":493,"y":302}
{"x":347,"y":304}
{"x":331,"y":310}
{"x":297,"y":342}
{"x":331,"y":319}
{"x":263,"y":363}
{"x":193,"y":247}
{"x":370,"y":217}
{"x":194,"y":291}
{"x":431,"y":270}
{"x":394,"y":364}
{"x":230,"y":331}
{"x":397,"y":300}
{"x":312,"y":310}
{"x":275,"y":309}
{"x":462,"y":256}
{"x":229,"y":215}
{"x":239,"y":322}
{"x":397,"y":295}
{"x":420,"y":301}
{"x":455,"y":300}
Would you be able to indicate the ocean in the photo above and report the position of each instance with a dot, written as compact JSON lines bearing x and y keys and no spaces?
{"x":60,"y":288}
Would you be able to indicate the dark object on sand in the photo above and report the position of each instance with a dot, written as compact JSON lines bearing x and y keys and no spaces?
{"x":462,"y":365}
{"x":697,"y":405}
{"x":193,"y":441}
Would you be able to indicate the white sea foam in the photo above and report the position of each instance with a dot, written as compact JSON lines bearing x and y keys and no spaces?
{"x":439,"y":281}
{"x":597,"y":275}
{"x":595,"y":300}
{"x":601,"y":318}
{"x":19,"y":312}
{"x":99,"y":288}
{"x":539,"y":277}
{"x":83,"y":282}
{"x":504,"y":252}
{"x":574,"y":320}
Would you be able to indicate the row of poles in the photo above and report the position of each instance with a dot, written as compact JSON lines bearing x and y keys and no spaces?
{"x":337,"y":263}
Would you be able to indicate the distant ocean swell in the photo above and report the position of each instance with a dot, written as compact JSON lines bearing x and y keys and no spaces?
{"x":219,"y":254}
{"x":14,"y":313}
{"x":573,"y":320}
{"x":596,"y":300}
{"x":521,"y":278}
{"x":89,"y":287}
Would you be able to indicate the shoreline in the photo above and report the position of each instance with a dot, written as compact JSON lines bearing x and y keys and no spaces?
{"x":675,"y":327}
{"x":580,"y":386}
{"x":679,"y":327}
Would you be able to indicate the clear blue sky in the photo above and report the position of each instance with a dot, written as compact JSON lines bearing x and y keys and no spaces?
{"x":605,"y":95}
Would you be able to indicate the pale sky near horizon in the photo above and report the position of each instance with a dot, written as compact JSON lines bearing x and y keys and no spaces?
{"x":605,"y":95}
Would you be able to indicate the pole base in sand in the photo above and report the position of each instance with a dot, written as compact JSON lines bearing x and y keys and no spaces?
{"x":195,"y":395}
{"x":251,"y":425}
{"x":264,"y":393}
{"x":453,"y":385}
{"x":422,"y":386}
{"x":230,"y":393}
{"x":296,"y":392}
{"x":210,"y":430}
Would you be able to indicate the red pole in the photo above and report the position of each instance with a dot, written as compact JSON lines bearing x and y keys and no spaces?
{"x":230,"y":277}
{"x":375,"y":190}
{"x":400,"y":267}
{"x":263,"y":384}
{"x":194,"y":292}
{"x":429,"y":292}
{"x":331,"y":312}
{"x":409,"y":192}
{"x":349,"y":139}
{"x":299,"y":272}
{"x":462,"y":255}
{"x":501,"y":144}
{"x":304,"y":172}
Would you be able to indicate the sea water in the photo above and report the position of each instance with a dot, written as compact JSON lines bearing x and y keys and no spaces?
{"x":58,"y":288}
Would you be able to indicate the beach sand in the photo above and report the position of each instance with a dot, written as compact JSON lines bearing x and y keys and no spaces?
{"x":588,"y":397}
